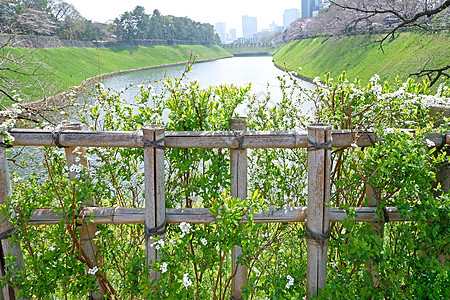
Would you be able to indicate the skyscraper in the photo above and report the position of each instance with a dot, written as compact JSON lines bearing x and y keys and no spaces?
{"x":233,"y":34}
{"x":221,"y":30}
{"x":249,"y":26}
{"x":289,"y":16}
{"x":312,"y":7}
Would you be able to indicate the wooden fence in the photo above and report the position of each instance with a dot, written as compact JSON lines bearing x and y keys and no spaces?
{"x":319,"y":139}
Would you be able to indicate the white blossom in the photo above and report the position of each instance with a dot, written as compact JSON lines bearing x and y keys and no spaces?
{"x":186,"y":228}
{"x":290,"y":281}
{"x":375,"y":78}
{"x":377,"y":89}
{"x":430,"y":143}
{"x":186,"y":281}
{"x":93,"y":270}
{"x":354,"y":145}
{"x":76,"y":150}
{"x":388,"y":130}
{"x":163,"y":267}
{"x":97,"y":232}
{"x":204,"y":241}
{"x":159,"y":244}
{"x":9,"y":136}
{"x":76,"y":168}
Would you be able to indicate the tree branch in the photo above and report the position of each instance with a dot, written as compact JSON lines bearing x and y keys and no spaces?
{"x":430,"y":72}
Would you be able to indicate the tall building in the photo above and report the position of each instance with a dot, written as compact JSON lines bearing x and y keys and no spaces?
{"x":289,"y":16}
{"x":232,"y":35}
{"x":221,"y":30}
{"x":249,"y":26}
{"x":311,"y":8}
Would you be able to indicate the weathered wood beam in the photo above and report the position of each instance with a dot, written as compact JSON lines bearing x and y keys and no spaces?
{"x":196,"y":139}
{"x":155,"y":209}
{"x":238,"y":167}
{"x":129,"y":215}
{"x":318,"y":216}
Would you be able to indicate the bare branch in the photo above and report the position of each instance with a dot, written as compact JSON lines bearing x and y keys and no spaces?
{"x":433,"y":74}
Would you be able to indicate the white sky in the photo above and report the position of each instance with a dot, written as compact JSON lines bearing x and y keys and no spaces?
{"x":206,"y":11}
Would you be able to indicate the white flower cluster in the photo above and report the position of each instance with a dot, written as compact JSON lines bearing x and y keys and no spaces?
{"x":76,"y":168}
{"x":158,"y":244}
{"x":374,"y":79}
{"x":204,"y":241}
{"x":163,"y":267}
{"x":388,"y":131}
{"x":316,"y":81}
{"x":93,"y":270}
{"x":186,"y":228}
{"x":77,"y":151}
{"x":186,"y":281}
{"x":290,"y":281}
{"x":430,"y":143}
{"x":8,"y":136}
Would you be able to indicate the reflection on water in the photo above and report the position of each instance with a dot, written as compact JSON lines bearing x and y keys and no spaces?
{"x":240,"y":71}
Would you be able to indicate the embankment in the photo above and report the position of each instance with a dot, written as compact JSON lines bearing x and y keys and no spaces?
{"x":360,"y":57}
{"x":69,"y":66}
{"x":249,"y":49}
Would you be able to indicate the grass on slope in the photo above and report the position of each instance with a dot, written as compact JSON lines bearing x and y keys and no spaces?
{"x":69,"y":66}
{"x":360,"y":57}
{"x":245,"y":49}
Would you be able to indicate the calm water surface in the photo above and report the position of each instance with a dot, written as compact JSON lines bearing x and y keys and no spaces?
{"x":259,"y":71}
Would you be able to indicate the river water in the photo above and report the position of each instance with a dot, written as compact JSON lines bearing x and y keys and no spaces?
{"x":259,"y":71}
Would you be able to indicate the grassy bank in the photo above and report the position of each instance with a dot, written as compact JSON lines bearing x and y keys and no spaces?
{"x":360,"y":57}
{"x":65,"y":67}
{"x":248,"y":49}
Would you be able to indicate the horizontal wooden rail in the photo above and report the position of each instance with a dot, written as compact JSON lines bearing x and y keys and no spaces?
{"x":196,"y":139}
{"x":128,"y":215}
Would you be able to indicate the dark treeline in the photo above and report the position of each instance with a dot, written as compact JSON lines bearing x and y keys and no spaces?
{"x":61,"y":19}
{"x":136,"y":24}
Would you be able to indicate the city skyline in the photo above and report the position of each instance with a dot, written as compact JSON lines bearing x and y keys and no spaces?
{"x":204,"y":11}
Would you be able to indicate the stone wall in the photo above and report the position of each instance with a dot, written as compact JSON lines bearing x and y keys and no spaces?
{"x":34,"y":41}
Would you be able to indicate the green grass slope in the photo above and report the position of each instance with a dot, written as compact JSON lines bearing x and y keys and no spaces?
{"x":360,"y":57}
{"x":67,"y":66}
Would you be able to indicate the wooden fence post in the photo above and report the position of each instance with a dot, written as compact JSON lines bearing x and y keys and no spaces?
{"x":5,"y":226}
{"x":438,"y":113}
{"x":78,"y":156}
{"x":377,"y":227}
{"x":155,"y":208}
{"x":318,"y":224}
{"x":238,"y":162}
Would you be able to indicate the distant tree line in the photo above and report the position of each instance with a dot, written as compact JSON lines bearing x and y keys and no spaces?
{"x":136,"y":24}
{"x":61,"y":19}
